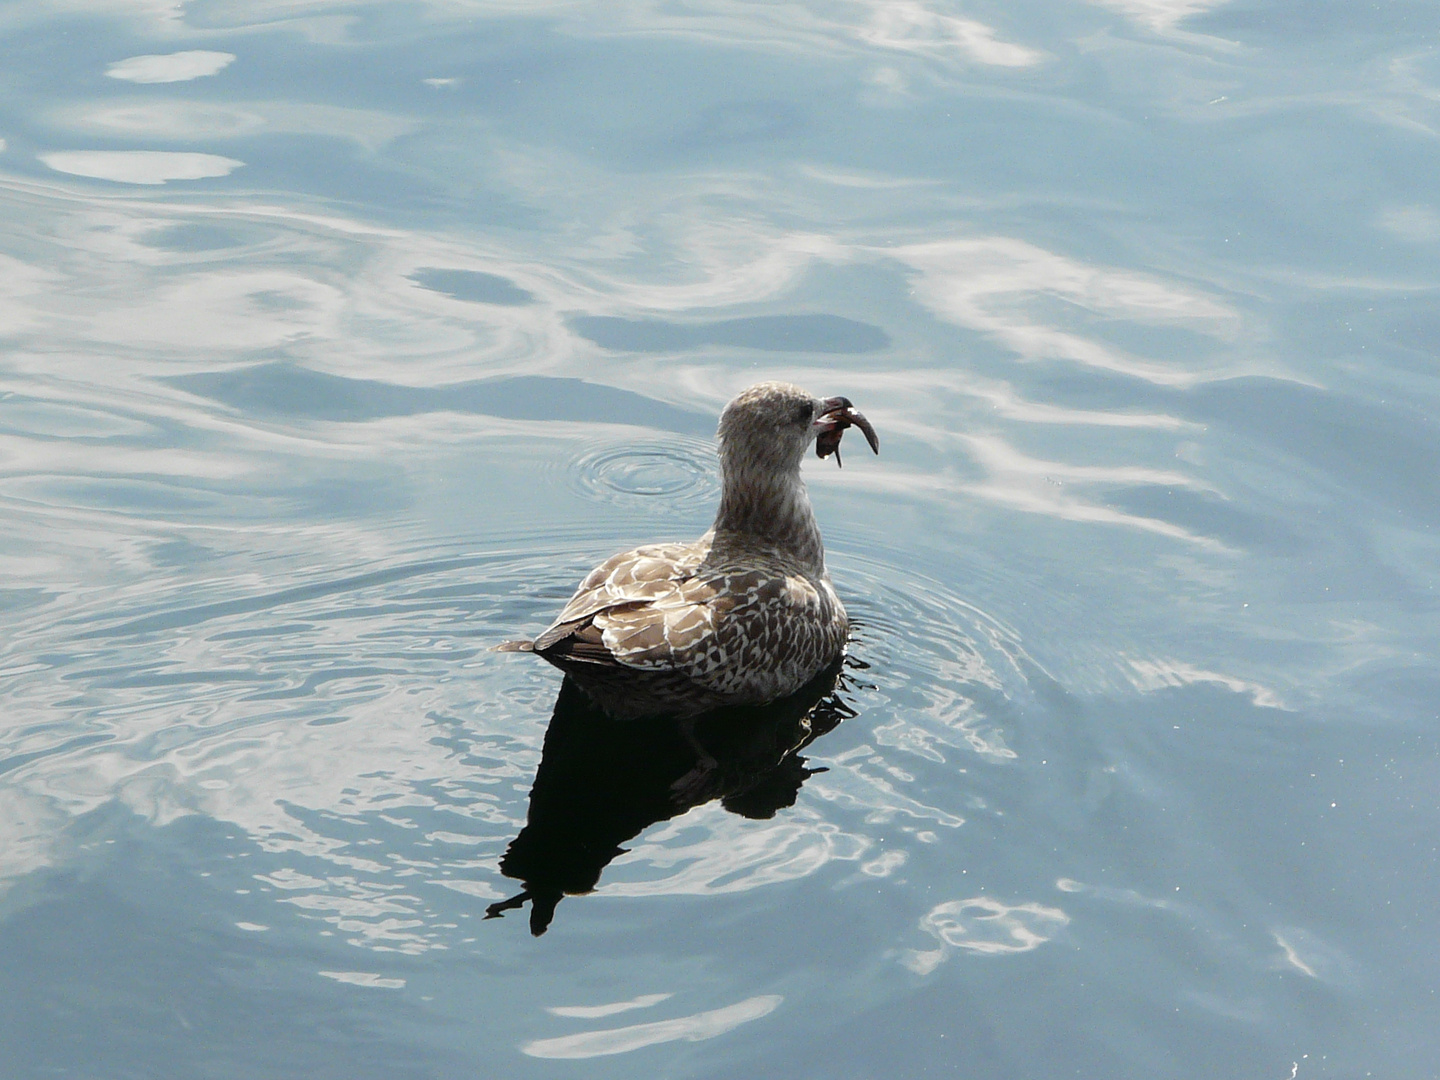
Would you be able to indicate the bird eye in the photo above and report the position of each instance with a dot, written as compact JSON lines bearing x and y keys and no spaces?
{"x":803,"y":412}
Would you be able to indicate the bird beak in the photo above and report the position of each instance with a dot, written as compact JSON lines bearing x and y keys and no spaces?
{"x":836,"y":414}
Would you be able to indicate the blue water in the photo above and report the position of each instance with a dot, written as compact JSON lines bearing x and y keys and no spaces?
{"x":341,"y":339}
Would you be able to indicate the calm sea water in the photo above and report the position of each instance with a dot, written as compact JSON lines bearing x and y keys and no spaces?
{"x":340,"y":339}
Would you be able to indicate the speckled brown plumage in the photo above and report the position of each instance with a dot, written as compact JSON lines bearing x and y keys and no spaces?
{"x":744,"y":615}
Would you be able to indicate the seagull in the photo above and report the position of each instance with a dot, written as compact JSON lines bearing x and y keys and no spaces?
{"x":746,"y":614}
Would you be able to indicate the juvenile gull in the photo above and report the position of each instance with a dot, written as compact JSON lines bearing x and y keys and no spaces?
{"x":742,"y":616}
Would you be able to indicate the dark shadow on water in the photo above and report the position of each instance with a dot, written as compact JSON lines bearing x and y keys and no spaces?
{"x":602,"y":782}
{"x":473,"y":286}
{"x":774,"y":333}
{"x":192,"y":237}
{"x":285,"y":391}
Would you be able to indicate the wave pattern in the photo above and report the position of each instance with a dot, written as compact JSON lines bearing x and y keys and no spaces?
{"x":337,"y":356}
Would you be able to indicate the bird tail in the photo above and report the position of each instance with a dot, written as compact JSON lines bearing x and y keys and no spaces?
{"x":514,"y":646}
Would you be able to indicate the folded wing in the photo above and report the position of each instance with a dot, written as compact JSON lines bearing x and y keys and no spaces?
{"x":642,"y":609}
{"x":743,"y":630}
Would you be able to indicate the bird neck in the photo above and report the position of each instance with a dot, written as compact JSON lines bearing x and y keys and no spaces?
{"x":765,"y":509}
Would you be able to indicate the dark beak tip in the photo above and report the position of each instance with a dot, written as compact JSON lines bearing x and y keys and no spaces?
{"x":866,"y":428}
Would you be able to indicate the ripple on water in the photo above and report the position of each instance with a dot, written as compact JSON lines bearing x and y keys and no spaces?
{"x":377,"y":758}
{"x":677,"y":472}
{"x":948,"y":675}
{"x":937,"y":684}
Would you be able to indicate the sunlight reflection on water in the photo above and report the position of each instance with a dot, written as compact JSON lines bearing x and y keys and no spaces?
{"x":1144,"y":576}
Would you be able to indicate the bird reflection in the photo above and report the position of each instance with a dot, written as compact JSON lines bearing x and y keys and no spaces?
{"x":602,"y":781}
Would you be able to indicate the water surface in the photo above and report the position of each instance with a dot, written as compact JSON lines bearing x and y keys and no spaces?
{"x":341,"y":340}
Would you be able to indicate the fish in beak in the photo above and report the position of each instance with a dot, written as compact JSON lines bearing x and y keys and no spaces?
{"x":836,"y":414}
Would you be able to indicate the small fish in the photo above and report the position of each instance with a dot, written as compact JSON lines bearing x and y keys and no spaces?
{"x":838,"y":415}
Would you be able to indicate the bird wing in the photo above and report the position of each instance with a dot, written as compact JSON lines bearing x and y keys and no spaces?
{"x":657,"y":608}
{"x":663,"y":633}
{"x":631,"y":605}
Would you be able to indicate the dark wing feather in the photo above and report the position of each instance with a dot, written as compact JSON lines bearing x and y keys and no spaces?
{"x":581,"y":641}
{"x":748,"y":627}
{"x":620,"y":613}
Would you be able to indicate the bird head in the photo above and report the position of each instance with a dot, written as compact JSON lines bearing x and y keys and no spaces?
{"x":770,"y":426}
